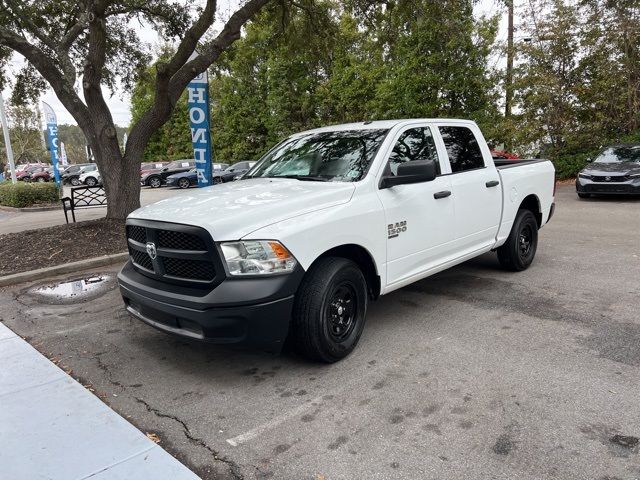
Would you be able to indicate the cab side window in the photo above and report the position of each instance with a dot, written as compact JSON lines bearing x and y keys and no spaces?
{"x":462,"y":148}
{"x":413,"y":144}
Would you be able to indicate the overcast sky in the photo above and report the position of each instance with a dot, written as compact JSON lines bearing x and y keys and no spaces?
{"x":119,"y":102}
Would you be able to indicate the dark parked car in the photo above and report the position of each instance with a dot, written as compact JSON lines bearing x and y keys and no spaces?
{"x":158,"y":177}
{"x":615,"y":170}
{"x":233,"y":172}
{"x":146,"y":167}
{"x":72,"y":172}
{"x":187,"y":179}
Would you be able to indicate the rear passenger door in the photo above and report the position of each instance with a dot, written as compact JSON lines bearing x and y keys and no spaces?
{"x":475,"y":189}
{"x":419,"y":216}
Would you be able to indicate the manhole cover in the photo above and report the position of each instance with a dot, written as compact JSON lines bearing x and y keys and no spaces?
{"x":73,"y":291}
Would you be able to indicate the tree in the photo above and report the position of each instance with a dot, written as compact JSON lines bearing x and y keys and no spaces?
{"x":26,"y":135}
{"x":61,"y":39}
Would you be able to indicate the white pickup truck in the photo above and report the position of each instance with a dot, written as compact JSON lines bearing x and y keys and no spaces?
{"x":326,"y":221}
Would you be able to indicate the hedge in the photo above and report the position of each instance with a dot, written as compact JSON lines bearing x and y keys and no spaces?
{"x":24,"y":194}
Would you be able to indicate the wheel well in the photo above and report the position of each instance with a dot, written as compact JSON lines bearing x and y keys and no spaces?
{"x":532,"y":204}
{"x":363,"y":259}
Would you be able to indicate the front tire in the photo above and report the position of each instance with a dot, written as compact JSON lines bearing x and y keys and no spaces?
{"x":519,"y":250}
{"x":329,"y":311}
{"x":217,"y":180}
{"x":184,"y":183}
{"x":584,"y":195}
{"x":41,"y":180}
{"x":75,"y":181}
{"x":155,"y":182}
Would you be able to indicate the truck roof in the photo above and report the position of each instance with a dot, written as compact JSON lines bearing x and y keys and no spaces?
{"x":382,"y":124}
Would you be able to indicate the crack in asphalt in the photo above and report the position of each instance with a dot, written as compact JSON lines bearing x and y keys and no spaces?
{"x":108,"y":374}
{"x":234,"y":468}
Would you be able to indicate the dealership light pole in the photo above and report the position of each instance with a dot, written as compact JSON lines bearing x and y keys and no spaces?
{"x":7,"y":140}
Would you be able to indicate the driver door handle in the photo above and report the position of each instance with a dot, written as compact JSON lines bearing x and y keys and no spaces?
{"x":443,"y":194}
{"x":492,"y":183}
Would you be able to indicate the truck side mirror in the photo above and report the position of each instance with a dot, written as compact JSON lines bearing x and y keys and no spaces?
{"x":417,"y":171}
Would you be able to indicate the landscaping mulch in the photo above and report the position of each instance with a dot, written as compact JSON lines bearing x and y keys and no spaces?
{"x":46,"y":247}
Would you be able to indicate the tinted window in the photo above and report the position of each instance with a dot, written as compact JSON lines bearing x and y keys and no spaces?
{"x":340,"y":156}
{"x":462,"y":148}
{"x":413,"y":144}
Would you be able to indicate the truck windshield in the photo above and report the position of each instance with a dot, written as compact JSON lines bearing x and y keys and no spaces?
{"x":340,"y":156}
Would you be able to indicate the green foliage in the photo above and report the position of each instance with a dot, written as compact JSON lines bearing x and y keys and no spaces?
{"x":578,"y":85}
{"x":24,"y":194}
{"x":330,"y":64}
{"x":173,"y":140}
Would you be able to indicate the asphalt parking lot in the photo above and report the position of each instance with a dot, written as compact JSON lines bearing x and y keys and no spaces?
{"x":473,"y":373}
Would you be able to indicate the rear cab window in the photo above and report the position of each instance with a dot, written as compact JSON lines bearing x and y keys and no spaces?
{"x":462,"y":148}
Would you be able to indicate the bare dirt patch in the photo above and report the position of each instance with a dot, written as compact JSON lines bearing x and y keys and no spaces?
{"x":46,"y":247}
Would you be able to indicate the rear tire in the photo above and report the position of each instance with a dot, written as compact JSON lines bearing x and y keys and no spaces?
{"x":41,"y":180}
{"x":329,"y":311}
{"x":584,"y":195}
{"x":90,"y":182}
{"x":519,"y":250}
{"x":75,"y":181}
{"x":217,"y":180}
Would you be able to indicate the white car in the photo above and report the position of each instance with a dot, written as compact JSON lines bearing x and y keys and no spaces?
{"x":326,"y":221}
{"x":90,"y":176}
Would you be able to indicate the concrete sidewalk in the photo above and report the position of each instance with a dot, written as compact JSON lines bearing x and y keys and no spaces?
{"x":52,"y":427}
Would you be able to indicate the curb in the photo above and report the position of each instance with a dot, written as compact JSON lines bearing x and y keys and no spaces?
{"x":30,"y":209}
{"x":42,"y":273}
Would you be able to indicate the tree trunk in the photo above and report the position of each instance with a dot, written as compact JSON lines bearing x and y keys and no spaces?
{"x":120,"y":174}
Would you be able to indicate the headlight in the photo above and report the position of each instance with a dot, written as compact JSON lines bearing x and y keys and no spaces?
{"x":584,"y":175}
{"x":257,"y":257}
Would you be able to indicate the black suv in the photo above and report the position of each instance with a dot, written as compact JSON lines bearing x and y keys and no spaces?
{"x":157,"y":178}
{"x":232,"y":173}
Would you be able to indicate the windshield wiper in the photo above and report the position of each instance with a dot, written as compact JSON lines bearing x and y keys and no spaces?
{"x":305,"y":178}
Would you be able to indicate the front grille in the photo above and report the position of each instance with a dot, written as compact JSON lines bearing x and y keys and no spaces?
{"x":134,"y":232}
{"x":182,"y":268}
{"x":141,"y":259}
{"x":183,"y":254}
{"x":179,"y":240}
{"x":607,"y":179}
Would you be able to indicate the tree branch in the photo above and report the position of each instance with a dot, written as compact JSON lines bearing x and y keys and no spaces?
{"x":48,"y":69}
{"x":169,"y":88}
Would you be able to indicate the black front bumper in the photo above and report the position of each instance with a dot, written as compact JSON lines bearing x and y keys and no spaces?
{"x":252,"y":311}
{"x":623,"y":187}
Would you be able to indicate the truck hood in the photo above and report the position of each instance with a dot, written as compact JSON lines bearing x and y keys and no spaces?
{"x":230,"y":211}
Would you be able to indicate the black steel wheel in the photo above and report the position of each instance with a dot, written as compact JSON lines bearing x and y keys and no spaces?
{"x":519,"y":250}
{"x":329,"y":311}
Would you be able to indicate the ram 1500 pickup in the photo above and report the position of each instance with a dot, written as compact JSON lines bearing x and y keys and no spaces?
{"x":326,"y":221}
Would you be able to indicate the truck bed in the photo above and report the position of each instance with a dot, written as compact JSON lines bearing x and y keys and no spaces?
{"x":508,"y":163}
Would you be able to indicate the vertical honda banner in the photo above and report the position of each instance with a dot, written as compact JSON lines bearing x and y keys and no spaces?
{"x":52,"y":137}
{"x":198,"y":92}
{"x":63,"y":155}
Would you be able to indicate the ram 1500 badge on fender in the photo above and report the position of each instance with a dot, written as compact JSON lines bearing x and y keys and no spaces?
{"x":326,"y":221}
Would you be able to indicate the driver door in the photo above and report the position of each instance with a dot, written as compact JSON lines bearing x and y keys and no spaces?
{"x":420,"y":216}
